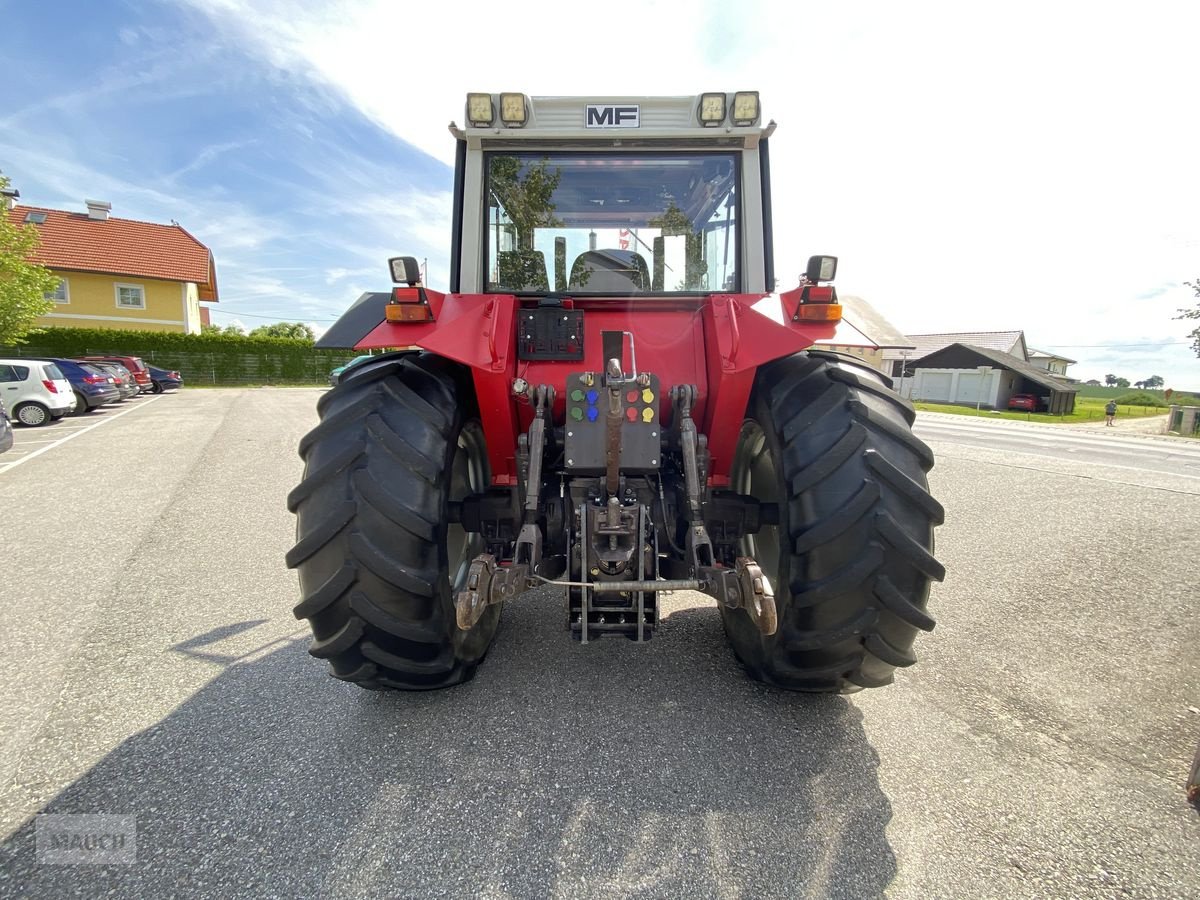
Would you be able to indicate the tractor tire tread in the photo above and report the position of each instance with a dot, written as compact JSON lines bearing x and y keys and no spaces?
{"x":336,"y":585}
{"x":369,"y":509}
{"x":859,"y":525}
{"x":318,"y":537}
{"x":874,"y":386}
{"x":342,"y":460}
{"x":900,"y":606}
{"x":824,"y":465}
{"x":811,"y":640}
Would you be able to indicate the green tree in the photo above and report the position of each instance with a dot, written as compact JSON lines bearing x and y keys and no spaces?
{"x":1194,"y":334}
{"x":1110,"y":380}
{"x":1154,"y":381}
{"x":23,"y":283}
{"x":230,"y":330}
{"x":295,"y":330}
{"x":1122,"y":382}
{"x":527,"y":198}
{"x":674,"y":222}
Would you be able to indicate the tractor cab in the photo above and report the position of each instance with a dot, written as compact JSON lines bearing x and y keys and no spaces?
{"x":619,"y":199}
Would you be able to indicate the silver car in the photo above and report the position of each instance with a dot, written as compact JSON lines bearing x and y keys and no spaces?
{"x":6,"y":429}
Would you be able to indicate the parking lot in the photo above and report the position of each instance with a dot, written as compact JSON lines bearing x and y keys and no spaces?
{"x":153,"y":668}
{"x":29,"y":443}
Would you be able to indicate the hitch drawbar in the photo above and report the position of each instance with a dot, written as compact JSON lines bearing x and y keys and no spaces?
{"x":743,"y":587}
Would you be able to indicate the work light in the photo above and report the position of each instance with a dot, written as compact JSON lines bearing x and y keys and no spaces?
{"x":480,"y":110}
{"x":512,"y":109}
{"x":712,"y":109}
{"x":405,"y":270}
{"x":745,"y":107}
{"x":821,"y":268}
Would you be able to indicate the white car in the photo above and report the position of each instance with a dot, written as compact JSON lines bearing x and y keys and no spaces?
{"x":35,"y":391}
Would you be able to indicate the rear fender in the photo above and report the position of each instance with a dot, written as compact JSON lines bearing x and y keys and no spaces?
{"x":716,"y":342}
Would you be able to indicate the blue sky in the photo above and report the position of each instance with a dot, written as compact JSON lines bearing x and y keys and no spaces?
{"x":976,"y":167}
{"x":150,"y":107}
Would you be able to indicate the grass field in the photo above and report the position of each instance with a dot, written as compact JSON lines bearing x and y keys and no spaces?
{"x":1087,"y":409}
{"x":1094,"y":390}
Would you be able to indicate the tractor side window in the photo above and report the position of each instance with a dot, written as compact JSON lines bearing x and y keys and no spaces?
{"x":612,"y":224}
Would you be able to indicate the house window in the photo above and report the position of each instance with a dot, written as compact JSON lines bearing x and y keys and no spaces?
{"x":131,"y":296}
{"x":60,"y":294}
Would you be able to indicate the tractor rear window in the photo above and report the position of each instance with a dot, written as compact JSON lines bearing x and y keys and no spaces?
{"x":612,"y":224}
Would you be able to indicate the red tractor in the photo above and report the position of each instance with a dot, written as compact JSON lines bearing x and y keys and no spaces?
{"x":610,"y":399}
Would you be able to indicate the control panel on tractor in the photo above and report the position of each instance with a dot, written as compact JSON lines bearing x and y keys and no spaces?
{"x":589,"y":405}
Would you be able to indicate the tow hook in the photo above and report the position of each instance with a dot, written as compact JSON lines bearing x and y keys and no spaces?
{"x":744,"y":587}
{"x":487,"y":585}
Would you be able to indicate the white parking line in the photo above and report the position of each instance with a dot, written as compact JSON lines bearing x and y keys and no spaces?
{"x":74,"y":434}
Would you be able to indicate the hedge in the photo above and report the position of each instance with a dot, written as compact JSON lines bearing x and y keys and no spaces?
{"x":199,"y":358}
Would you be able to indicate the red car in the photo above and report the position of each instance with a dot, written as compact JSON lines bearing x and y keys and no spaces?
{"x":1023,"y":401}
{"x":134,"y":364}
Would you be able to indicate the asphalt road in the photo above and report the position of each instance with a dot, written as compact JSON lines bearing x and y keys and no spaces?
{"x":1111,"y":447}
{"x":153,"y":668}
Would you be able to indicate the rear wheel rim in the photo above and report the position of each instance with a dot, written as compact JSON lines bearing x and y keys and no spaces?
{"x":32,"y":415}
{"x":467,"y":474}
{"x":753,"y":473}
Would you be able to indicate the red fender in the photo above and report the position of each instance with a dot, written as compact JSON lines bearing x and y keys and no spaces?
{"x":716,"y":342}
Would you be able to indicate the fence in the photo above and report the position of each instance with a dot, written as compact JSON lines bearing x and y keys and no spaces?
{"x":200,"y":359}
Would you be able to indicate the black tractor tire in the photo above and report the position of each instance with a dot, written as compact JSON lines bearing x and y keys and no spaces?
{"x":397,"y":443}
{"x":851,"y":559}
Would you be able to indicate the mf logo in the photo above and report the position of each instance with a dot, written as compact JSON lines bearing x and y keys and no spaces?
{"x":605,"y":116}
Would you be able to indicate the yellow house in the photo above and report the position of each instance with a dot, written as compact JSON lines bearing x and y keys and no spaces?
{"x":121,"y":273}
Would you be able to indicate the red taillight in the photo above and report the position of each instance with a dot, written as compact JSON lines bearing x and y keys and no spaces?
{"x":94,"y":379}
{"x":50,"y":386}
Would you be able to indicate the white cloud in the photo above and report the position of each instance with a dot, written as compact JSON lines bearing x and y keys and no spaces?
{"x":1017,"y":165}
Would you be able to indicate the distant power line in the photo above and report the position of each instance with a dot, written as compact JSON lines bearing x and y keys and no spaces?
{"x":226,"y":312}
{"x":1116,"y":346}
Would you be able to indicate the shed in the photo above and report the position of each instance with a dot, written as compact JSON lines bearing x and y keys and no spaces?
{"x":955,"y":374}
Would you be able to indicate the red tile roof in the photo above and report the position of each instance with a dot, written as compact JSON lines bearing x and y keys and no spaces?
{"x":114,"y":246}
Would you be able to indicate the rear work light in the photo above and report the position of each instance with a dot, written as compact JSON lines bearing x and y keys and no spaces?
{"x":513,"y":111}
{"x":480,"y":111}
{"x":745,"y":108}
{"x":712,"y":109}
{"x":50,"y":386}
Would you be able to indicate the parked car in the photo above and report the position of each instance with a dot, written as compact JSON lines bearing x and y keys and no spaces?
{"x":141,"y":375}
{"x":336,"y":374}
{"x":35,"y":390}
{"x":91,"y":386}
{"x":165,"y":379}
{"x":122,"y":378}
{"x":1023,"y":401}
{"x":6,"y":429}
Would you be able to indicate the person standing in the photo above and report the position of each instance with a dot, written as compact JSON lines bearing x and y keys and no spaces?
{"x":1110,"y":411}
